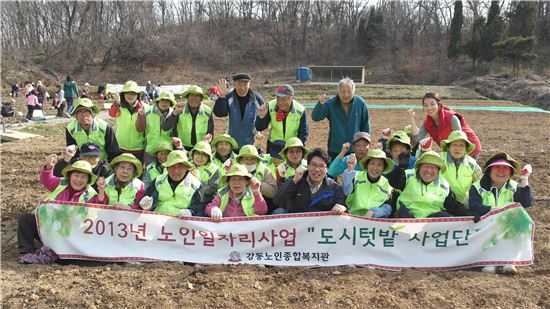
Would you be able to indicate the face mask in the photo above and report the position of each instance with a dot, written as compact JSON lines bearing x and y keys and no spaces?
{"x":250,"y":167}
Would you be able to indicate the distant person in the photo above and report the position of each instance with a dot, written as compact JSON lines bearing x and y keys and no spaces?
{"x":41,"y":93}
{"x":32,"y":104}
{"x":241,"y":105}
{"x":347,"y":114}
{"x":61,"y":103}
{"x":149,"y":89}
{"x":85,"y":91}
{"x":440,"y":122}
{"x":15,"y":90}
{"x":70,"y":91}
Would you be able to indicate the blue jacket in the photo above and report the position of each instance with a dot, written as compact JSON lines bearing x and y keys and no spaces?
{"x":342,"y":127}
{"x":242,"y":130}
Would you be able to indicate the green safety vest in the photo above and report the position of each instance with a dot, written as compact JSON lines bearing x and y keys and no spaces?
{"x":247,"y":202}
{"x":153,"y":171}
{"x":219,"y":164}
{"x":127,"y":195}
{"x":460,"y":179}
{"x":83,"y":198}
{"x":292,"y":123}
{"x":504,"y":196}
{"x":127,"y":136}
{"x":96,"y":134}
{"x":207,"y":171}
{"x":153,"y":132}
{"x":259,"y":173}
{"x":171,"y":202}
{"x":423,"y":200}
{"x":367,"y":195}
{"x":185,"y":123}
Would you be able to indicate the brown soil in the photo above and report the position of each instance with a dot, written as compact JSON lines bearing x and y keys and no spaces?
{"x":523,"y":135}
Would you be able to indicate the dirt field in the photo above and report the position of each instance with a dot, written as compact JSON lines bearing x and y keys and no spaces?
{"x":523,"y":135}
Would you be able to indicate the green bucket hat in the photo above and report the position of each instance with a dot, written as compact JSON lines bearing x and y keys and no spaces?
{"x":431,"y":157}
{"x":203,"y":147}
{"x":408,"y":129}
{"x":400,"y":137}
{"x":130,"y":158}
{"x":294,"y":142}
{"x":248,"y":151}
{"x":224,"y":138}
{"x":85,"y":103}
{"x":503,"y":156}
{"x":177,"y":157}
{"x":166,"y":95}
{"x":164,"y":145}
{"x":378,"y":154}
{"x":195,"y":90}
{"x":131,"y":86}
{"x":80,"y":166}
{"x":457,"y":136}
{"x":236,"y":170}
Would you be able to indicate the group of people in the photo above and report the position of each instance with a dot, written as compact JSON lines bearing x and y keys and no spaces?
{"x":165,"y":158}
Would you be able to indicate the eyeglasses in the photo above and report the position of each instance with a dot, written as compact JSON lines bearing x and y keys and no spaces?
{"x":317,"y":166}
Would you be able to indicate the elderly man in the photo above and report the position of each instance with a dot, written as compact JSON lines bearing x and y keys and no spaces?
{"x":311,"y":190}
{"x":241,"y":105}
{"x":285,"y":117}
{"x":347,"y":114}
{"x":87,"y":128}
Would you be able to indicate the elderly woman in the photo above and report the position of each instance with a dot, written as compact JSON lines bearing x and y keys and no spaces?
{"x":191,"y":122}
{"x":347,"y":114}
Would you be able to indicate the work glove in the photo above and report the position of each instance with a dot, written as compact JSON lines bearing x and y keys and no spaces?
{"x":403,"y":159}
{"x":526,"y":171}
{"x":255,"y":184}
{"x":227,"y":164}
{"x":177,"y":143}
{"x":185,"y":213}
{"x":426,"y":144}
{"x":216,"y":214}
{"x":386,"y":133}
{"x":146,"y":203}
{"x":70,"y":151}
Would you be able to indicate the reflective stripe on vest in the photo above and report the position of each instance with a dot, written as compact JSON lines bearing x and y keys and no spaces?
{"x":83,"y":198}
{"x":96,"y":135}
{"x":367,"y":195}
{"x":127,"y":194}
{"x":247,"y":202}
{"x":292,"y":123}
{"x":127,"y":136}
{"x":423,"y":200}
{"x":185,"y":123}
{"x":504,"y":196}
{"x":171,"y":202}
{"x":460,"y":179}
{"x":153,"y":171}
{"x":153,"y":132}
{"x":207,"y":171}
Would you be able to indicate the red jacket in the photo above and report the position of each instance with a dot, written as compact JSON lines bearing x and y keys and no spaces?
{"x":441,"y":132}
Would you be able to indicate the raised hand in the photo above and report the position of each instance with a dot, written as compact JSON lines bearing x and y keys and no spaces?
{"x":387,"y":132}
{"x":207,"y":138}
{"x":70,"y":151}
{"x":227,"y":164}
{"x":178,"y":109}
{"x":146,"y":203}
{"x":426,"y":144}
{"x":222,"y":88}
{"x":323,"y":98}
{"x":255,"y":184}
{"x":262,"y":111}
{"x":216,"y":214}
{"x":50,"y":161}
{"x":352,"y":162}
{"x":299,"y":174}
{"x":403,"y":159}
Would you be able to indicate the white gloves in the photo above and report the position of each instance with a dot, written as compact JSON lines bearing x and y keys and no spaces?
{"x":146,"y":203}
{"x":426,"y":144}
{"x":185,"y":213}
{"x":216,"y":213}
{"x":526,"y":171}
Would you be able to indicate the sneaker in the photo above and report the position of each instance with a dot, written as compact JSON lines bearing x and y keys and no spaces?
{"x":509,"y":269}
{"x":489,"y":269}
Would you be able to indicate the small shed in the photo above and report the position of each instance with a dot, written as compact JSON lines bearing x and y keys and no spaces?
{"x":333,"y":74}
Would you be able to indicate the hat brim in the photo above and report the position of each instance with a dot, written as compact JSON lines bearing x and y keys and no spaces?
{"x":248,"y":155}
{"x":94,"y":109}
{"x":91,"y":153}
{"x":305,"y":151}
{"x":172,"y":101}
{"x":220,"y":138}
{"x":135,"y":162}
{"x":186,"y":93}
{"x":92,"y":179}
{"x":389,"y":163}
{"x":226,"y":176}
{"x":428,"y":160}
{"x":168,"y":164}
{"x":469,"y":145}
{"x":505,"y":157}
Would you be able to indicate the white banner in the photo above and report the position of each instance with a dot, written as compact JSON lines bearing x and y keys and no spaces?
{"x":175,"y":89}
{"x":96,"y":232}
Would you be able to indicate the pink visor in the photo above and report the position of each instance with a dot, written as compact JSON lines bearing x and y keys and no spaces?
{"x":501,"y":162}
